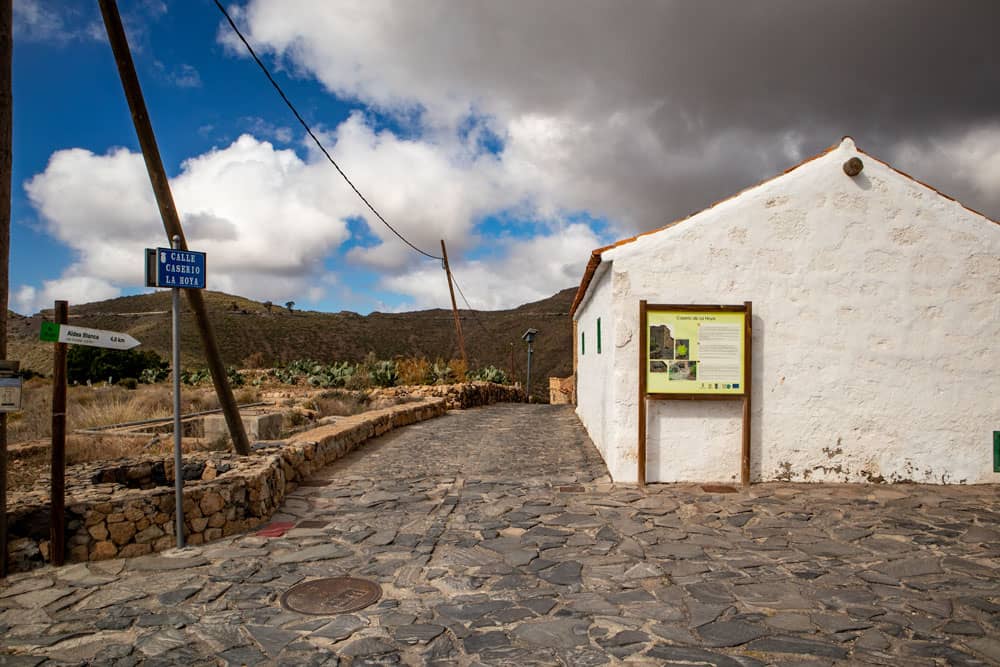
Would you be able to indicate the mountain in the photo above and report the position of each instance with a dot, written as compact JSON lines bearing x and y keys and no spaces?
{"x":244,"y":328}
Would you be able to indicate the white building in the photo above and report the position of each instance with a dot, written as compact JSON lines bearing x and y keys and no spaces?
{"x":876,"y":333}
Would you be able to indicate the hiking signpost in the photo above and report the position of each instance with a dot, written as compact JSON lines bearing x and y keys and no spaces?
{"x":62,"y":334}
{"x":53,"y":332}
{"x":177,"y":269}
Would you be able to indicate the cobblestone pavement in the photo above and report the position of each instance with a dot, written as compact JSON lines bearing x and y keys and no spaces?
{"x":497,"y":539}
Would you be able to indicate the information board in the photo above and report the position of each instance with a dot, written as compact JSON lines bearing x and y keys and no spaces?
{"x":10,"y":394}
{"x":695,"y":351}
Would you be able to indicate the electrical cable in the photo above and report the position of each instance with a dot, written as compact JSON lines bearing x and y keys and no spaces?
{"x":314,"y":137}
{"x":475,"y":316}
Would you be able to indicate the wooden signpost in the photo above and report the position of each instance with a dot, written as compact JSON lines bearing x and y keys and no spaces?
{"x":62,"y":334}
{"x":694,"y":353}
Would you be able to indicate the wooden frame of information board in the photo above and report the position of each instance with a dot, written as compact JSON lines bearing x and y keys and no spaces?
{"x":726,"y":393}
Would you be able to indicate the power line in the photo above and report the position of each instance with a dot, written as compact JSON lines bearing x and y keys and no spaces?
{"x":314,"y":137}
{"x":475,"y":316}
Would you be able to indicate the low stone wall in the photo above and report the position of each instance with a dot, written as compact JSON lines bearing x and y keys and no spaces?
{"x":562,"y":391}
{"x":459,"y":396}
{"x":125,"y":508}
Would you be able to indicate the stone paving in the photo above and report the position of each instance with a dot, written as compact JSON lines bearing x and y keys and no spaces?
{"x":498,"y":539}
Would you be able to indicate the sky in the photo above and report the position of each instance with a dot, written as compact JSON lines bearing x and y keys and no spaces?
{"x":523,"y":133}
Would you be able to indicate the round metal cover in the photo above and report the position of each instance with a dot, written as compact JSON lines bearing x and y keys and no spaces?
{"x":334,"y":595}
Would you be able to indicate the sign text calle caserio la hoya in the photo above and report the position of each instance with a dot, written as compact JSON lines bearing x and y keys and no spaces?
{"x":166,"y":267}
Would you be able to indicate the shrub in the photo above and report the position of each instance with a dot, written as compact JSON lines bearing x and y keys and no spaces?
{"x":458,"y":368}
{"x":384,"y":374}
{"x":489,"y":374}
{"x":235,"y":378}
{"x":414,"y":370}
{"x":441,"y":373}
{"x":129,"y":383}
{"x":195,"y":377}
{"x":154,"y":375}
{"x":96,"y":364}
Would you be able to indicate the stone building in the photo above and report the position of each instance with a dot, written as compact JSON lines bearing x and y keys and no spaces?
{"x":876,"y":332}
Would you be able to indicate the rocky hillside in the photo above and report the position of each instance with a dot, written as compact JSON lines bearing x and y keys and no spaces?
{"x":247,"y":329}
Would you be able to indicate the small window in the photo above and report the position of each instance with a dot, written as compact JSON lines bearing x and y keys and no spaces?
{"x":598,"y":335}
{"x":583,"y":343}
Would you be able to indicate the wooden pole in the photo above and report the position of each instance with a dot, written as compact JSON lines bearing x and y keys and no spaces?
{"x":57,"y":523}
{"x":6,"y":124}
{"x":747,"y":386}
{"x":643,"y":344}
{"x":168,"y":213}
{"x":454,"y":306}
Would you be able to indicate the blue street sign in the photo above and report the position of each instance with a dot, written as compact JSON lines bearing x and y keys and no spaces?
{"x":166,"y":267}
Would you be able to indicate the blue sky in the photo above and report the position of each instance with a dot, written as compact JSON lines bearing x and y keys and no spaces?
{"x":523,"y":140}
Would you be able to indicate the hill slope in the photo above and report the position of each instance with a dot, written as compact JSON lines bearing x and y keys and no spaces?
{"x":244,"y":327}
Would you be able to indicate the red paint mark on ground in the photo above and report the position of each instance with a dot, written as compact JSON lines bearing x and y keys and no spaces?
{"x":276,"y":529}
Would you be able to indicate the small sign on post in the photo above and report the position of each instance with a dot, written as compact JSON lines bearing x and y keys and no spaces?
{"x":166,"y":267}
{"x":10,"y":386}
{"x":53,"y":332}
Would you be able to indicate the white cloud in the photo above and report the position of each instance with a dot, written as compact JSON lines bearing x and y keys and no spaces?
{"x":269,"y":220}
{"x":636,"y":115}
{"x":74,"y":289}
{"x":264,"y":216}
{"x":523,"y":270}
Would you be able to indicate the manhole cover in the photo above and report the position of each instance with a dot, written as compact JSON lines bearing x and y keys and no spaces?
{"x":311,"y":523}
{"x":335,"y":595}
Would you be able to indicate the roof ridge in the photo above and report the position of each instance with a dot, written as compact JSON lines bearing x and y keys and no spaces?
{"x":595,"y":256}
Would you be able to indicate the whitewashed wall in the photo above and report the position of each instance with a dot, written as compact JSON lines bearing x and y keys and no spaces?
{"x":594,"y":371}
{"x":876,"y":332}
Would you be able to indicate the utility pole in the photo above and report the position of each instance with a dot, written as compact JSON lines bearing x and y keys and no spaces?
{"x":454,"y":306}
{"x":6,"y":123}
{"x":168,"y":212}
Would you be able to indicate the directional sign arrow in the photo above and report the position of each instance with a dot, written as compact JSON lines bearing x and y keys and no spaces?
{"x":63,"y":333}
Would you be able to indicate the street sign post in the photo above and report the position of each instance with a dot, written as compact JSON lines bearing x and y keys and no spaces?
{"x":166,"y":267}
{"x":177,"y":269}
{"x":63,"y":333}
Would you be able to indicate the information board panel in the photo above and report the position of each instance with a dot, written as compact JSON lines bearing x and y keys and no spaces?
{"x":10,"y":394}
{"x":692,"y":351}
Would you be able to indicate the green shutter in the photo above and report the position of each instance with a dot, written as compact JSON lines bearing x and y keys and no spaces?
{"x":583,"y":343}
{"x":598,"y":335}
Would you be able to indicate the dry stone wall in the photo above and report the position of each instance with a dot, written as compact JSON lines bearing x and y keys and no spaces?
{"x":126,"y":508}
{"x":459,"y":396}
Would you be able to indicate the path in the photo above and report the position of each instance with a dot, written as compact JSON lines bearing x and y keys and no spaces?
{"x":497,"y":540}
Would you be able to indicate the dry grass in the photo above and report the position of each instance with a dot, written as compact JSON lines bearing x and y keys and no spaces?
{"x":459,"y":368}
{"x":413,"y":370}
{"x":93,"y":407}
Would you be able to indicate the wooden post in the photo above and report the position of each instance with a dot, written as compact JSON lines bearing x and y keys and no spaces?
{"x":748,"y":382}
{"x":454,"y":307}
{"x":6,"y":123}
{"x":513,"y":375}
{"x":168,"y":213}
{"x":57,"y":522}
{"x":643,"y":343}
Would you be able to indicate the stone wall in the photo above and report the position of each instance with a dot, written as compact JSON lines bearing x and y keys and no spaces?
{"x":459,"y":396}
{"x":562,"y":391}
{"x":125,"y":508}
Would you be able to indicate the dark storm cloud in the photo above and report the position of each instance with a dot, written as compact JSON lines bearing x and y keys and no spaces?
{"x":665,"y":107}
